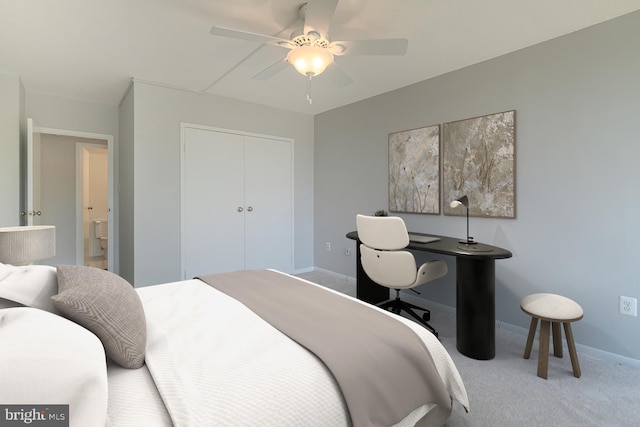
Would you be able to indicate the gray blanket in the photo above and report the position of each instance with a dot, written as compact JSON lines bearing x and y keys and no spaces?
{"x":383,"y":368}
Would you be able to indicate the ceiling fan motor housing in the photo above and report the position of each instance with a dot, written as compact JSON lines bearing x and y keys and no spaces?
{"x":310,"y":40}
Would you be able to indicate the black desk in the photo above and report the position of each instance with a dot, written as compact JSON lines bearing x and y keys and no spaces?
{"x":475,"y":291}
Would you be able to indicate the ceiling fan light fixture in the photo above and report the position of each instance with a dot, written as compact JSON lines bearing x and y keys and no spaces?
{"x":310,"y":60}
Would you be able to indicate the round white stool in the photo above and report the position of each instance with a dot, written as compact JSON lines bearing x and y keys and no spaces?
{"x":552,"y":310}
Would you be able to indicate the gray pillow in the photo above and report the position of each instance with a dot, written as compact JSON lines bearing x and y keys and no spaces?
{"x":108,"y":306}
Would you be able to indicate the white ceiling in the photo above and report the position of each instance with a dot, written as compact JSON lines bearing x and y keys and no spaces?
{"x":91,"y":49}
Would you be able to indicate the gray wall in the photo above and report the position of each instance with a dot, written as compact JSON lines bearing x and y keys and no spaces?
{"x":155,"y":120}
{"x":578,"y":107}
{"x":71,"y":114}
{"x":11,"y":118}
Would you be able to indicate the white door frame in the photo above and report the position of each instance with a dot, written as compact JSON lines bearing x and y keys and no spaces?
{"x":111,"y":213}
{"x":28,"y":208}
{"x":80,"y":146}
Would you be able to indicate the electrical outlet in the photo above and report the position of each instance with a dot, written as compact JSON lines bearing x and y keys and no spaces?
{"x":327,"y":246}
{"x":629,"y":306}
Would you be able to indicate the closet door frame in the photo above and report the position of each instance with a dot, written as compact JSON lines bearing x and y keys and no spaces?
{"x":183,"y":202}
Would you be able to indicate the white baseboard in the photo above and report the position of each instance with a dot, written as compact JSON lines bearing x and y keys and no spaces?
{"x":591,"y":351}
{"x":304,"y":270}
{"x":322,"y":270}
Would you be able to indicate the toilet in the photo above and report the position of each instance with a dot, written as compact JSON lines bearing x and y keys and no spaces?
{"x":102,"y":234}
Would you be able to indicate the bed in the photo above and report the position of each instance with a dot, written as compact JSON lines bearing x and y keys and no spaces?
{"x":200,"y":352}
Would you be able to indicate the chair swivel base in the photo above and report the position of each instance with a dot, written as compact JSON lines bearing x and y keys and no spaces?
{"x":397,"y":306}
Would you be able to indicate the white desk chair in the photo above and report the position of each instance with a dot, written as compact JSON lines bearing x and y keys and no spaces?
{"x":382,"y":237}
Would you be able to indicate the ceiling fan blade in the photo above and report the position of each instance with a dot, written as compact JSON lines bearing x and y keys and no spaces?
{"x":337,"y":76}
{"x":272,"y":70}
{"x":252,"y":37}
{"x":318,"y":16}
{"x":370,"y":47}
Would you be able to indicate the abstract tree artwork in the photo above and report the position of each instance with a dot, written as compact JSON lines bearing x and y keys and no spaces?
{"x":414,"y":171}
{"x":479,"y":161}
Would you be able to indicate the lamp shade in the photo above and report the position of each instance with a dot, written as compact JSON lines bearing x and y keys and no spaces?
{"x":310,"y":60}
{"x":23,"y":245}
{"x":464,"y":200}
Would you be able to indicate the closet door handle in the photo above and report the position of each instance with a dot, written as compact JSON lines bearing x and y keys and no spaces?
{"x":240,"y":209}
{"x":250,"y":209}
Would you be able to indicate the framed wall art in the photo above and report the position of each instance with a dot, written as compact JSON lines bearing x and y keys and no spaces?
{"x":414,"y":171}
{"x":479,"y":162}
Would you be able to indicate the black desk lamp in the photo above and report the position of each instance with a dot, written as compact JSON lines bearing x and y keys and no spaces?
{"x":464,"y":200}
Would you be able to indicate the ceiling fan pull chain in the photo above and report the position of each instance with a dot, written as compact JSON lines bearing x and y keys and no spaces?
{"x":309,"y":90}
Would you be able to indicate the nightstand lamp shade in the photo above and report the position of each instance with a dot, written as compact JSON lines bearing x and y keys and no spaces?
{"x":23,"y":245}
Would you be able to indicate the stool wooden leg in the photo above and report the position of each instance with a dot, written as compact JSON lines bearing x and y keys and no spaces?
{"x":532,"y":334}
{"x":543,"y":349}
{"x":572,"y":350}
{"x":557,"y":339}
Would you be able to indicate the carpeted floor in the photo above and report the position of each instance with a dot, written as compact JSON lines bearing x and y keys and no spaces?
{"x":506,"y":391}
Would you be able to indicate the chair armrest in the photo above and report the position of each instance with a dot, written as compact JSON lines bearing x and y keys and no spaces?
{"x":431,"y":270}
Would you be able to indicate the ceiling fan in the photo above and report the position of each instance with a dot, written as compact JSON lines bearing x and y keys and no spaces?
{"x":311,"y":50}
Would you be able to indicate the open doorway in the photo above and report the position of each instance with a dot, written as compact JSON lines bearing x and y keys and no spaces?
{"x":71,"y":185}
{"x":92,"y":185}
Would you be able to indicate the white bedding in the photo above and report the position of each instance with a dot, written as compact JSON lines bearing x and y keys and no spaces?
{"x":209,"y":361}
{"x":134,"y":400}
{"x":46,"y":359}
{"x":214,"y":362}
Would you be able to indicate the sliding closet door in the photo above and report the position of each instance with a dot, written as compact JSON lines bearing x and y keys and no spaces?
{"x":213,"y":202}
{"x":268,"y":198}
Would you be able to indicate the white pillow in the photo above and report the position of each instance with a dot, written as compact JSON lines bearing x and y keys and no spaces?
{"x":30,"y":285}
{"x":46,"y":359}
